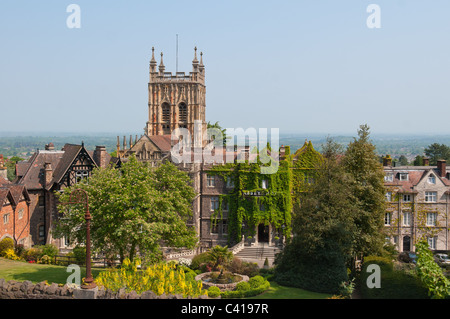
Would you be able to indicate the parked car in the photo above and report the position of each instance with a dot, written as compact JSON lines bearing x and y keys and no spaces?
{"x":407,"y":257}
{"x":442,"y":259}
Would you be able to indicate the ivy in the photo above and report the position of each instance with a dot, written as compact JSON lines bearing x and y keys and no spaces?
{"x":250,"y":204}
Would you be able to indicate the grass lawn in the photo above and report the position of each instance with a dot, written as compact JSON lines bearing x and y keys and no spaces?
{"x":21,"y":271}
{"x":281,"y":292}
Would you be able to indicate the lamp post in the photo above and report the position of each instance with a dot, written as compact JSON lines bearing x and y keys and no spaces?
{"x":81,"y":197}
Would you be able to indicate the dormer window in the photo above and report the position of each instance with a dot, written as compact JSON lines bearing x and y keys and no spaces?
{"x":389,"y":177}
{"x":431,"y":179}
{"x":402,"y":176}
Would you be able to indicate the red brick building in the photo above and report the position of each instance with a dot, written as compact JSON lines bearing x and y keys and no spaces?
{"x":14,"y":213}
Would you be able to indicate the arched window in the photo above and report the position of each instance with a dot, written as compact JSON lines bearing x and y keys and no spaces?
{"x":165,"y":108}
{"x":182,"y":108}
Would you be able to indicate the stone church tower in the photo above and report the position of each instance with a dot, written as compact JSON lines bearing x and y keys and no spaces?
{"x":175,"y":100}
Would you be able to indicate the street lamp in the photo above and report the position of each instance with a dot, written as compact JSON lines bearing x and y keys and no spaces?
{"x":81,"y":197}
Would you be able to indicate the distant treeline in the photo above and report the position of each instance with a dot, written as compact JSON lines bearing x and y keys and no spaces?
{"x":398,"y":147}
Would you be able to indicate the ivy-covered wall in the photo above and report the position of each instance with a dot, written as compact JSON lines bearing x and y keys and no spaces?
{"x":251,"y":203}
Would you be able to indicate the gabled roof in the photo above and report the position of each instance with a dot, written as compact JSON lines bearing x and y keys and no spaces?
{"x":416,"y":174}
{"x":163,"y":142}
{"x":60,"y":161}
{"x":33,"y":178}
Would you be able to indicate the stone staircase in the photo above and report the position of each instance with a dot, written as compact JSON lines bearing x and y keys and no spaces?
{"x":258,"y":252}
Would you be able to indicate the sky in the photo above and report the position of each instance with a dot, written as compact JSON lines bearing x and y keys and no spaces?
{"x":301,"y":66}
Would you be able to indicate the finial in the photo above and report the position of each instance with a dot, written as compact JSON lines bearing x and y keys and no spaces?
{"x":195,"y":56}
{"x":153,"y":55}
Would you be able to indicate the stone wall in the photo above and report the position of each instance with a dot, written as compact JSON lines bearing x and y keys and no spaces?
{"x":27,"y":290}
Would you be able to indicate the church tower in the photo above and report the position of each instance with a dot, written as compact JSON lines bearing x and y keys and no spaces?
{"x":175,"y":100}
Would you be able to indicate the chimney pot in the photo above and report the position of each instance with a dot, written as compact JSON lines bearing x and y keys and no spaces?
{"x":441,"y":165}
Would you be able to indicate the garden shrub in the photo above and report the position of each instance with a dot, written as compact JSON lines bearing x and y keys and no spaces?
{"x":6,"y":243}
{"x":395,"y":284}
{"x":163,"y":278}
{"x":213,"y":292}
{"x":256,"y":281}
{"x":33,"y":254}
{"x":246,"y":291}
{"x":243,"y":286}
{"x":49,"y":250}
{"x":198,"y":260}
{"x":10,"y":254}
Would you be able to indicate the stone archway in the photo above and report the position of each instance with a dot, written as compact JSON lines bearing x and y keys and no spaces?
{"x":263,"y":233}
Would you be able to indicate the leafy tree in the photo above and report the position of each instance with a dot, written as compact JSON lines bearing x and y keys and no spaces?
{"x":11,"y":167}
{"x":403,"y":160}
{"x":362,"y":163}
{"x":436,"y":152}
{"x":323,"y":227}
{"x":418,"y":160}
{"x":133,"y":209}
{"x":220,"y":256}
{"x":224,"y":131}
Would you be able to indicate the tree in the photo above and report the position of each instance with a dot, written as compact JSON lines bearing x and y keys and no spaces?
{"x":11,"y":167}
{"x":224,"y":131}
{"x":323,"y":227}
{"x":220,"y":256}
{"x":134,"y":209}
{"x":403,"y":160}
{"x":362,"y":163}
{"x":436,"y":152}
{"x":418,"y":160}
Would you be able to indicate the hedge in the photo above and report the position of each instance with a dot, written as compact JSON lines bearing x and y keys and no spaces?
{"x":395,"y":284}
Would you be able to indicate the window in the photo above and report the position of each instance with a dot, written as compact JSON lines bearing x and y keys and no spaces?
{"x":214,"y":203}
{"x":41,"y":200}
{"x":403,"y":176}
{"x":264,"y":184}
{"x":165,"y":112}
{"x":431,"y":179}
{"x":430,"y":197}
{"x":432,"y":242}
{"x":214,"y":228}
{"x":431,"y":219}
{"x":211,"y":180}
{"x":20,"y":214}
{"x":388,"y":196}
{"x":224,"y":227}
{"x":182,"y":108}
{"x":80,"y":175}
{"x":230,"y":182}
{"x":406,"y":218}
{"x":389,"y":177}
{"x":41,"y":231}
{"x":5,"y":219}
{"x":225,"y":205}
{"x":407,"y":198}
{"x":387,"y":219}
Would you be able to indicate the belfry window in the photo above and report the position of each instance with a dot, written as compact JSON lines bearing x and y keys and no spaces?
{"x":166,"y":112}
{"x":182,"y":108}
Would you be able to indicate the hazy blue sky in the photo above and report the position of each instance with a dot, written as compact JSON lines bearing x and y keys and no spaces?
{"x":301,"y":66}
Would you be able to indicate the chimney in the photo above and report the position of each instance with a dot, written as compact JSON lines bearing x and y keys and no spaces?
{"x":48,"y":173}
{"x":387,"y":160}
{"x":441,"y":165}
{"x":426,"y":161}
{"x":100,"y":156}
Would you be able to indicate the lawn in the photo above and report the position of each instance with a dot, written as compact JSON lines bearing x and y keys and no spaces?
{"x":281,"y":292}
{"x":21,"y":271}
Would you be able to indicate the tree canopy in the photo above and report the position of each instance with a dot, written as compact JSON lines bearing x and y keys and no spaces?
{"x":134,"y":209}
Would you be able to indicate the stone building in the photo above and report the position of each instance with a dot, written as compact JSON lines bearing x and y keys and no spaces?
{"x":51,"y":170}
{"x":418,"y":201}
